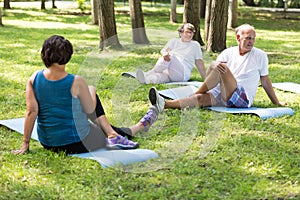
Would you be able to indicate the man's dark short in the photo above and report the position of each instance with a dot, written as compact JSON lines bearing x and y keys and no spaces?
{"x":238,"y":99}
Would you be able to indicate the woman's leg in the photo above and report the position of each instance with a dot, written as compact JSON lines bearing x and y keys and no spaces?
{"x":96,"y":139}
{"x":143,"y":125}
{"x":176,"y":70}
{"x":159,"y":74}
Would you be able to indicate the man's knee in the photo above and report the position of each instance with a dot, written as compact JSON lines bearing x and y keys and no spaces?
{"x":200,"y":99}
{"x":204,"y":100}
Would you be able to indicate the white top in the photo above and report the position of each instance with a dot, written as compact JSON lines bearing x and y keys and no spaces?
{"x":186,"y":53}
{"x":247,"y":69}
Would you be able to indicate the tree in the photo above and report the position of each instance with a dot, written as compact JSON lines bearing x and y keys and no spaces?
{"x":232,"y":14}
{"x":1,"y":18}
{"x":249,"y":2}
{"x":95,"y":12}
{"x":53,"y":4}
{"x":173,"y":18}
{"x":7,"y":4}
{"x":137,"y":22}
{"x":191,"y":15}
{"x":107,"y":25}
{"x":202,"y":8}
{"x":43,"y":6}
{"x":216,"y":25}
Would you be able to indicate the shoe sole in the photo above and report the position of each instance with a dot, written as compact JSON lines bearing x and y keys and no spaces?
{"x":121,"y":146}
{"x":153,"y":96}
{"x":140,"y":76}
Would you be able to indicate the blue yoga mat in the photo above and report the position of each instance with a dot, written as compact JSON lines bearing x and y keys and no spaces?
{"x":106,"y":158}
{"x":287,"y":86}
{"x":263,"y":113}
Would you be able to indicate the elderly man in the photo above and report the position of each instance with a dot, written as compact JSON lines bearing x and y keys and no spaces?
{"x":232,"y":80}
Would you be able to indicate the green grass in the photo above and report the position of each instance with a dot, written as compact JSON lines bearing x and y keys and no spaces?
{"x":203,"y":154}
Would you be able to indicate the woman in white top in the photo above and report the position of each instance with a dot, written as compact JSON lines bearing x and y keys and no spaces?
{"x":177,"y":61}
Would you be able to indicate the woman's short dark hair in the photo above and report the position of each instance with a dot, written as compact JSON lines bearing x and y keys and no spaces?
{"x":56,"y":49}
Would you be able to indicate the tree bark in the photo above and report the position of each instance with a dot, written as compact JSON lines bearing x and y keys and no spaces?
{"x":191,"y":15}
{"x":43,"y":6}
{"x":95,"y":12}
{"x":1,"y":24}
{"x":207,"y":19}
{"x":53,"y":4}
{"x":173,"y":18}
{"x":202,"y":8}
{"x":232,"y":14}
{"x":249,"y":2}
{"x":107,"y":25}
{"x":217,"y":25}
{"x":6,"y":4}
{"x":137,"y":22}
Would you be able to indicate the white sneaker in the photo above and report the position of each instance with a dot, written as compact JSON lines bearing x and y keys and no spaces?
{"x":140,"y":76}
{"x":156,"y":99}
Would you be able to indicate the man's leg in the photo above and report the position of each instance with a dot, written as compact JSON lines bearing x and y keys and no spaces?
{"x":219,"y":73}
{"x":201,"y":100}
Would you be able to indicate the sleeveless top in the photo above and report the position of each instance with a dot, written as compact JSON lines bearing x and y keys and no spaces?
{"x":61,"y":120}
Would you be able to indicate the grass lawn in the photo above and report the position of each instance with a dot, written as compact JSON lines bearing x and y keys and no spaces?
{"x":203,"y":154}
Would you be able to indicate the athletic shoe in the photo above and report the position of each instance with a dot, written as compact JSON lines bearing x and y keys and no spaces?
{"x":140,"y":76}
{"x":120,"y":142}
{"x":149,"y":118}
{"x":156,"y":99}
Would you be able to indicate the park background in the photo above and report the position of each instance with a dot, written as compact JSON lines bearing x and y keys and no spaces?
{"x":220,"y":157}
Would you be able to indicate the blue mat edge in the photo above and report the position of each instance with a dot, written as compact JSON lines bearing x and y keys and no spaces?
{"x":150,"y":153}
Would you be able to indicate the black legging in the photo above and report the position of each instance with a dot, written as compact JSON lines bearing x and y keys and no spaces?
{"x":99,"y":110}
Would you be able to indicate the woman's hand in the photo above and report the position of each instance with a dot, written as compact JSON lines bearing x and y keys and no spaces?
{"x":166,"y":55}
{"x":24,"y":149}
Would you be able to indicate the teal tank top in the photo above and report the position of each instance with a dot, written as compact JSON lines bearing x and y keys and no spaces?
{"x":61,"y":120}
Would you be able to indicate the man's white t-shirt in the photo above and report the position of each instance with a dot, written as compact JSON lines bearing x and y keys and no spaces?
{"x":186,"y":53}
{"x":247,"y":69}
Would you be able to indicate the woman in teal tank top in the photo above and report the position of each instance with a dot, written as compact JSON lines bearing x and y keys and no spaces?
{"x":69,"y":113}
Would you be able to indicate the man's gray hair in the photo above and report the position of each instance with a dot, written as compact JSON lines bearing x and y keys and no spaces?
{"x":243,"y":27}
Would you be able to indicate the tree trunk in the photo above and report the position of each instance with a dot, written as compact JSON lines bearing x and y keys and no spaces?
{"x":43,"y":6}
{"x":249,"y":2}
{"x":191,"y":15}
{"x":95,"y":12}
{"x":6,"y":4}
{"x":107,"y":25}
{"x":207,"y":19}
{"x":202,"y":8}
{"x":280,"y":4}
{"x":137,"y":22}
{"x":173,"y":18}
{"x":53,"y":4}
{"x":1,"y":24}
{"x":232,"y":14}
{"x":217,"y":26}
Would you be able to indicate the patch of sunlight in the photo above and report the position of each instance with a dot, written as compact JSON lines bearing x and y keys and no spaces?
{"x":31,"y":13}
{"x":15,"y":45}
{"x":288,"y":188}
{"x":279,"y":34}
{"x":262,"y":170}
{"x":48,"y":25}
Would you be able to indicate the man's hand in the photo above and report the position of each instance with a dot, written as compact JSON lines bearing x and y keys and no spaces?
{"x":281,"y":104}
{"x":222,"y":67}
